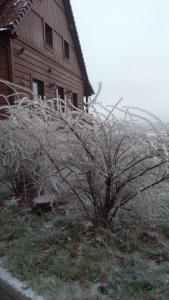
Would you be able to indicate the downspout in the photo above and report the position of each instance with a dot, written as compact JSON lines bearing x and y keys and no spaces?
{"x":87,"y":104}
{"x":7,"y":48}
{"x":8,"y":55}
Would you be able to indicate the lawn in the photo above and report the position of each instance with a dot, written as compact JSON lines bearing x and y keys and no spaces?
{"x":63,"y":257}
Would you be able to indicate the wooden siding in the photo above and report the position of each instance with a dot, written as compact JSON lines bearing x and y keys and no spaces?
{"x":39,"y":61}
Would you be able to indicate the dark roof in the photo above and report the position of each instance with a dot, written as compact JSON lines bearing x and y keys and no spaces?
{"x":88,"y":88}
{"x":13,"y":11}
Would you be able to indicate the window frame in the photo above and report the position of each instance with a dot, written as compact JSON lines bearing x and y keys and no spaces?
{"x":61,"y":95}
{"x":48,"y":36}
{"x":76,"y":105}
{"x":66,"y":49}
{"x":40,"y":87}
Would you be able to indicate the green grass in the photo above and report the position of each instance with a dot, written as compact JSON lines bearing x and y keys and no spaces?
{"x":61,"y":259}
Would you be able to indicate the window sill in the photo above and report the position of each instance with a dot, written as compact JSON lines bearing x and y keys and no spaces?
{"x":66,"y":59}
{"x":49,"y":48}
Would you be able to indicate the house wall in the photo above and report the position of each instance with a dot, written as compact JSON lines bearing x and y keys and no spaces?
{"x":38,"y":60}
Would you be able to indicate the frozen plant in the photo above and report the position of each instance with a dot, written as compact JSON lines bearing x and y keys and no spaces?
{"x":103,"y":159}
{"x":121,"y":156}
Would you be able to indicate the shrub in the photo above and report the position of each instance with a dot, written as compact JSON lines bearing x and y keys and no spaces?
{"x":117,"y":160}
{"x":104,"y":159}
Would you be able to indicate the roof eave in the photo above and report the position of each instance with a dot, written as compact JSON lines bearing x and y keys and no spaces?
{"x":88,"y":89}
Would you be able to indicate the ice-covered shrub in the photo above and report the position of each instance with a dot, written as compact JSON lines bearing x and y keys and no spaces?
{"x":103,"y":159}
{"x":17,"y":157}
{"x":120,"y":158}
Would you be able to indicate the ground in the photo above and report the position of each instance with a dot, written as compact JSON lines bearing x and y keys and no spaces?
{"x":62,"y":257}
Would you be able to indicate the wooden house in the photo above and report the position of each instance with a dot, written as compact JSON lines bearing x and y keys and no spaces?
{"x":40,"y":50}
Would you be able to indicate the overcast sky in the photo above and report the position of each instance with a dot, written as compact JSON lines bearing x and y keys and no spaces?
{"x":126,"y":46}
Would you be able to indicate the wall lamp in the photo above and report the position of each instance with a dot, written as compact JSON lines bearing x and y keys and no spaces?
{"x":22,"y":50}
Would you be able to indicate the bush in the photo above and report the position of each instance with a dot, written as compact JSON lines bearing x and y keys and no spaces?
{"x":104,"y":159}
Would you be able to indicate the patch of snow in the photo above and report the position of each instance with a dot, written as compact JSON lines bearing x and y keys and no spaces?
{"x":3,"y":29}
{"x":18,"y":285}
{"x":16,"y":2}
{"x":44,"y":199}
{"x":12,"y":202}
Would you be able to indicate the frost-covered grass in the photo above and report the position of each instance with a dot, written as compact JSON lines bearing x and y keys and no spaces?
{"x":4,"y":191}
{"x":61,"y":257}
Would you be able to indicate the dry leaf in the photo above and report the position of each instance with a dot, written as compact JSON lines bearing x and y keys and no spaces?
{"x":102,"y":277}
{"x":120,"y":258}
{"x":45,"y":247}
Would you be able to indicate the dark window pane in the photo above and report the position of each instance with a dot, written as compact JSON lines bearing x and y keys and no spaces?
{"x":38,"y":88}
{"x":48,"y":35}
{"x":66,"y":49}
{"x":75,"y":100}
{"x":61,"y":95}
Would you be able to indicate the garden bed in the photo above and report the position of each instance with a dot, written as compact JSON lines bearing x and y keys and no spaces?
{"x":61,"y":256}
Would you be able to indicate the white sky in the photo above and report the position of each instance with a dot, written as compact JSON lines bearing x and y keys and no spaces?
{"x":126,"y":46}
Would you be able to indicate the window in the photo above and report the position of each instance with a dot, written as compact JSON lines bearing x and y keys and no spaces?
{"x":38,"y":88}
{"x":66,"y":49}
{"x":48,"y":35}
{"x":75,"y":101}
{"x":61,"y":95}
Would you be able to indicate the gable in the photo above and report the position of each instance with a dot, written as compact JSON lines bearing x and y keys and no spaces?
{"x":12,"y":12}
{"x":32,"y":33}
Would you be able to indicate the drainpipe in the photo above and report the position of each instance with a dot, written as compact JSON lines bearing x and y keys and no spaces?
{"x":6,"y":47}
{"x":87,"y":104}
{"x":8,"y":54}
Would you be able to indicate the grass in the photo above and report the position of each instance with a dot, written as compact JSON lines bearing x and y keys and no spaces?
{"x":61,"y":259}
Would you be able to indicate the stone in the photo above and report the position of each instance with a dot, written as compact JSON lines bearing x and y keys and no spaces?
{"x":45,"y":203}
